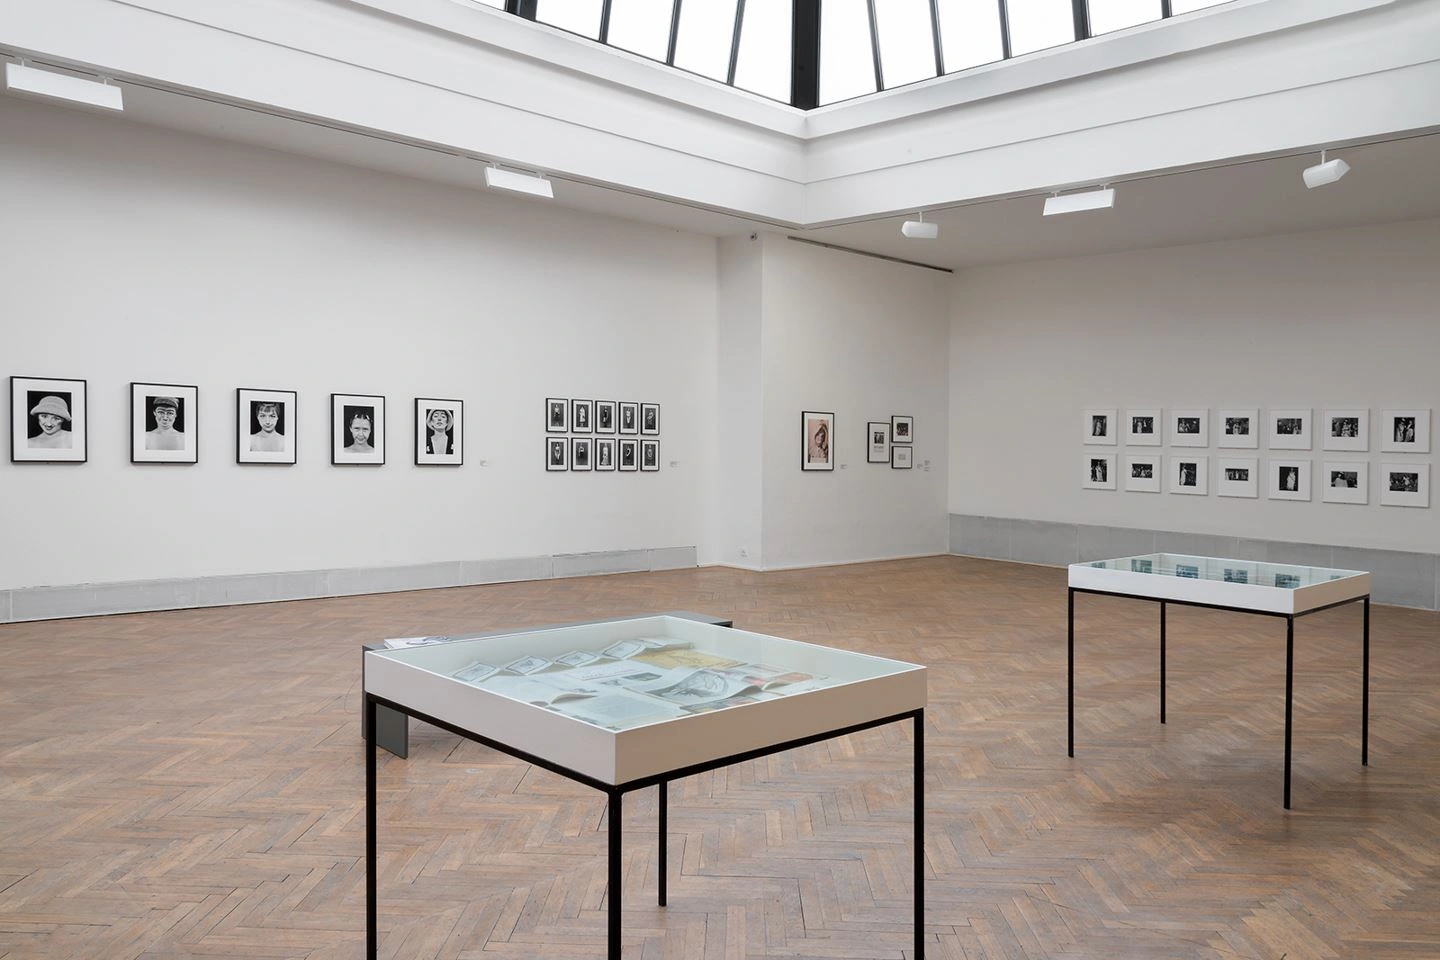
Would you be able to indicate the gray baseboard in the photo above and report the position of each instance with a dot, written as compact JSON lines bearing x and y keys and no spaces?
{"x":1398,"y":577}
{"x":136,"y":596}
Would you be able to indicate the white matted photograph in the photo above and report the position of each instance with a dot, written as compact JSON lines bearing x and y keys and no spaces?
{"x":817,"y":430}
{"x":1237,"y":477}
{"x":1098,"y":471}
{"x":902,"y":458}
{"x":266,"y":424}
{"x":1290,"y":429}
{"x":1142,"y":473}
{"x":1142,"y":427}
{"x":439,"y":432}
{"x":580,"y":416}
{"x":604,"y":453}
{"x":1345,"y":482}
{"x":604,"y":416}
{"x":1238,"y":429}
{"x":357,"y":429}
{"x":649,"y":456}
{"x":1289,"y":479}
{"x":48,"y":420}
{"x":164,"y":423}
{"x":1405,"y":484}
{"x":1190,"y":427}
{"x":629,"y":456}
{"x":582,"y":452}
{"x":557,"y":454}
{"x":1346,"y":430}
{"x":1099,"y":426}
{"x":877,"y":442}
{"x":902,"y":429}
{"x":649,"y":421}
{"x":1405,"y":431}
{"x":1190,"y":475}
{"x":629,"y":416}
{"x":557,"y":415}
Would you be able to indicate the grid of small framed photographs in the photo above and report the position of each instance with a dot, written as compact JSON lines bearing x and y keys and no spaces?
{"x":601,"y":436}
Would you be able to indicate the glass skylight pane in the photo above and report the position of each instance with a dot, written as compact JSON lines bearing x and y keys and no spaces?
{"x":847,"y":67}
{"x":764,"y":64}
{"x":907,"y":49}
{"x":1108,"y":15}
{"x":1037,"y":24}
{"x":1178,"y":7}
{"x":969,"y":33}
{"x":641,"y":26}
{"x":577,"y":16}
{"x":706,"y":29}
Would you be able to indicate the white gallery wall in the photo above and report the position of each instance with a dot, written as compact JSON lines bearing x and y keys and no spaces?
{"x":1329,"y":319}
{"x":134,"y":253}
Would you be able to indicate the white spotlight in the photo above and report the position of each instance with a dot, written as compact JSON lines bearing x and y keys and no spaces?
{"x":1075,"y":202}
{"x":1326,"y":171}
{"x":43,"y":83}
{"x":520,"y":182}
{"x":919,"y":229}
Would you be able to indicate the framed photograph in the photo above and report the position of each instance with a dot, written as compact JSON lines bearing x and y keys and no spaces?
{"x":902,"y":458}
{"x":357,"y":429}
{"x":164,"y":423}
{"x":1099,"y":427}
{"x":1238,"y":428}
{"x":1347,"y":430}
{"x":1237,"y":477}
{"x":48,"y":420}
{"x":650,"y":419}
{"x":557,"y":415}
{"x":1405,"y":484}
{"x":557,"y":454}
{"x":1142,"y":474}
{"x":1190,"y":475}
{"x":877,"y":442}
{"x":629,"y":417}
{"x":817,"y":431}
{"x":1099,"y":472}
{"x":1405,"y":431}
{"x":580,"y":421}
{"x":629,"y":455}
{"x":649,"y":455}
{"x":1290,"y":429}
{"x":1346,"y":482}
{"x":1289,"y":479}
{"x":439,"y":432}
{"x":582,"y":450}
{"x":1142,"y":427}
{"x":266,"y":424}
{"x":605,"y":451}
{"x":902,"y":429}
{"x":1190,"y":428}
{"x":604,"y":416}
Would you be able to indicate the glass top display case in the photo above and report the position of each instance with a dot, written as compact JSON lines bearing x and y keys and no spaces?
{"x":1241,"y":584}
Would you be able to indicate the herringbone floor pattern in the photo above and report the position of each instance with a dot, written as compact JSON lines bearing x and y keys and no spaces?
{"x":190,"y":784}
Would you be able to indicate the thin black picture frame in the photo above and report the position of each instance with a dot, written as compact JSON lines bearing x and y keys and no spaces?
{"x":645,"y":428}
{"x":379,"y":429}
{"x":897,"y":454}
{"x":456,"y":458}
{"x":604,"y":418}
{"x":582,"y":409}
{"x":633,"y":409}
{"x":871,"y":428}
{"x":17,"y":411}
{"x":291,"y":424}
{"x":187,"y":391}
{"x":552,"y":406}
{"x":553,"y":444}
{"x":647,"y":445}
{"x":577,"y":445}
{"x":634,"y":446}
{"x":806,"y":463}
{"x":896,"y":420}
{"x":604,"y":442}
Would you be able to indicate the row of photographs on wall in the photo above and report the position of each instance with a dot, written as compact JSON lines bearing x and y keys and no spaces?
{"x":564,"y":415}
{"x":600,"y":454}
{"x":1346,"y":430}
{"x":1401,"y":484}
{"x":884,"y":443}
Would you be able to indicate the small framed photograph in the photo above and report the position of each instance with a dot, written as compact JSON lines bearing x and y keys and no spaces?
{"x":1238,"y":428}
{"x":1405,"y":431}
{"x":1237,"y":477}
{"x":649,"y":456}
{"x":557,"y":454}
{"x":877,"y":442}
{"x":1347,"y":430}
{"x":557,"y":415}
{"x":1346,"y":482}
{"x":1098,"y":427}
{"x":1190,"y":475}
{"x":629,"y":455}
{"x":580,"y":421}
{"x":605,"y":452}
{"x":357,"y":429}
{"x":902,"y":458}
{"x":604,"y":416}
{"x":439,"y":432}
{"x":629,"y":417}
{"x":48,"y":420}
{"x":1099,"y":473}
{"x":1142,"y":427}
{"x":1142,"y":473}
{"x":902,"y":429}
{"x":1190,"y":428}
{"x":650,"y":420}
{"x":266,"y":423}
{"x":1405,"y":484}
{"x":581,"y":454}
{"x":817,"y":430}
{"x":1289,"y":479}
{"x":1290,"y":429}
{"x":164,"y":423}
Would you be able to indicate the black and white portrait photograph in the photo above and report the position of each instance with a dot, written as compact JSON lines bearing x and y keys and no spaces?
{"x":1290,"y":429}
{"x":581,"y":454}
{"x":580,"y":416}
{"x":817,"y":435}
{"x":1347,"y":430}
{"x":1142,"y":427}
{"x":649,"y":456}
{"x":650,"y":419}
{"x":48,"y":420}
{"x":1237,"y":477}
{"x":557,"y":415}
{"x":1190,"y":475}
{"x":604,"y":453}
{"x":266,"y":426}
{"x":1289,"y":479}
{"x":1142,"y":473}
{"x":1190,"y":428}
{"x":164,"y":423}
{"x":902,"y":429}
{"x":1098,"y":426}
{"x":877,"y":442}
{"x":557,"y":454}
{"x":439,"y":432}
{"x":1099,"y":471}
{"x":604,"y":416}
{"x":1405,"y":484}
{"x":1239,"y":429}
{"x":1405,"y":431}
{"x":629,"y":455}
{"x":357,"y":429}
{"x":1346,"y":482}
{"x":629,"y":417}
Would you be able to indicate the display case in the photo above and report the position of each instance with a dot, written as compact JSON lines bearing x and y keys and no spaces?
{"x":1212,"y":581}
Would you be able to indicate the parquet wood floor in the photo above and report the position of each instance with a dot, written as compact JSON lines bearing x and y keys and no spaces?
{"x":190,"y":784}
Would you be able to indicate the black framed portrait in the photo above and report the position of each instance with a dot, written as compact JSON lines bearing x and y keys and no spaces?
{"x":439,"y":432}
{"x":48,"y":420}
{"x":164,"y":423}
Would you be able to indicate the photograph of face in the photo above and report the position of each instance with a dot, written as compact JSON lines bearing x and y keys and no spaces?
{"x":359,"y":426}
{"x":1344,"y":426}
{"x":439,"y":430}
{"x":267,"y":423}
{"x":49,"y":424}
{"x":165,"y":423}
{"x":1237,"y":426}
{"x":817,"y":440}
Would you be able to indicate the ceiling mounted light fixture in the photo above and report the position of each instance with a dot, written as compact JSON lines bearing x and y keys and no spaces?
{"x":919,"y":229}
{"x":22,"y":78}
{"x":1101,"y":199}
{"x":520,"y":182}
{"x":1326,"y":171}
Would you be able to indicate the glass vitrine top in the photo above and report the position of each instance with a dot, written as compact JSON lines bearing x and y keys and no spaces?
{"x":1252,"y":572}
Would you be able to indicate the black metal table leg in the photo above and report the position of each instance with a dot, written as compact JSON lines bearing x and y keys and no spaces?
{"x":664,"y":788}
{"x":1289,"y":697}
{"x":1365,"y":695}
{"x":1162,"y":661}
{"x":613,"y":885}
{"x":372,"y":929}
{"x":1071,"y":644}
{"x":919,"y":839}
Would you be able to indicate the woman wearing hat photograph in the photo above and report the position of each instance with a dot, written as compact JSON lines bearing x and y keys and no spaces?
{"x":164,"y":436}
{"x":53,"y":415}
